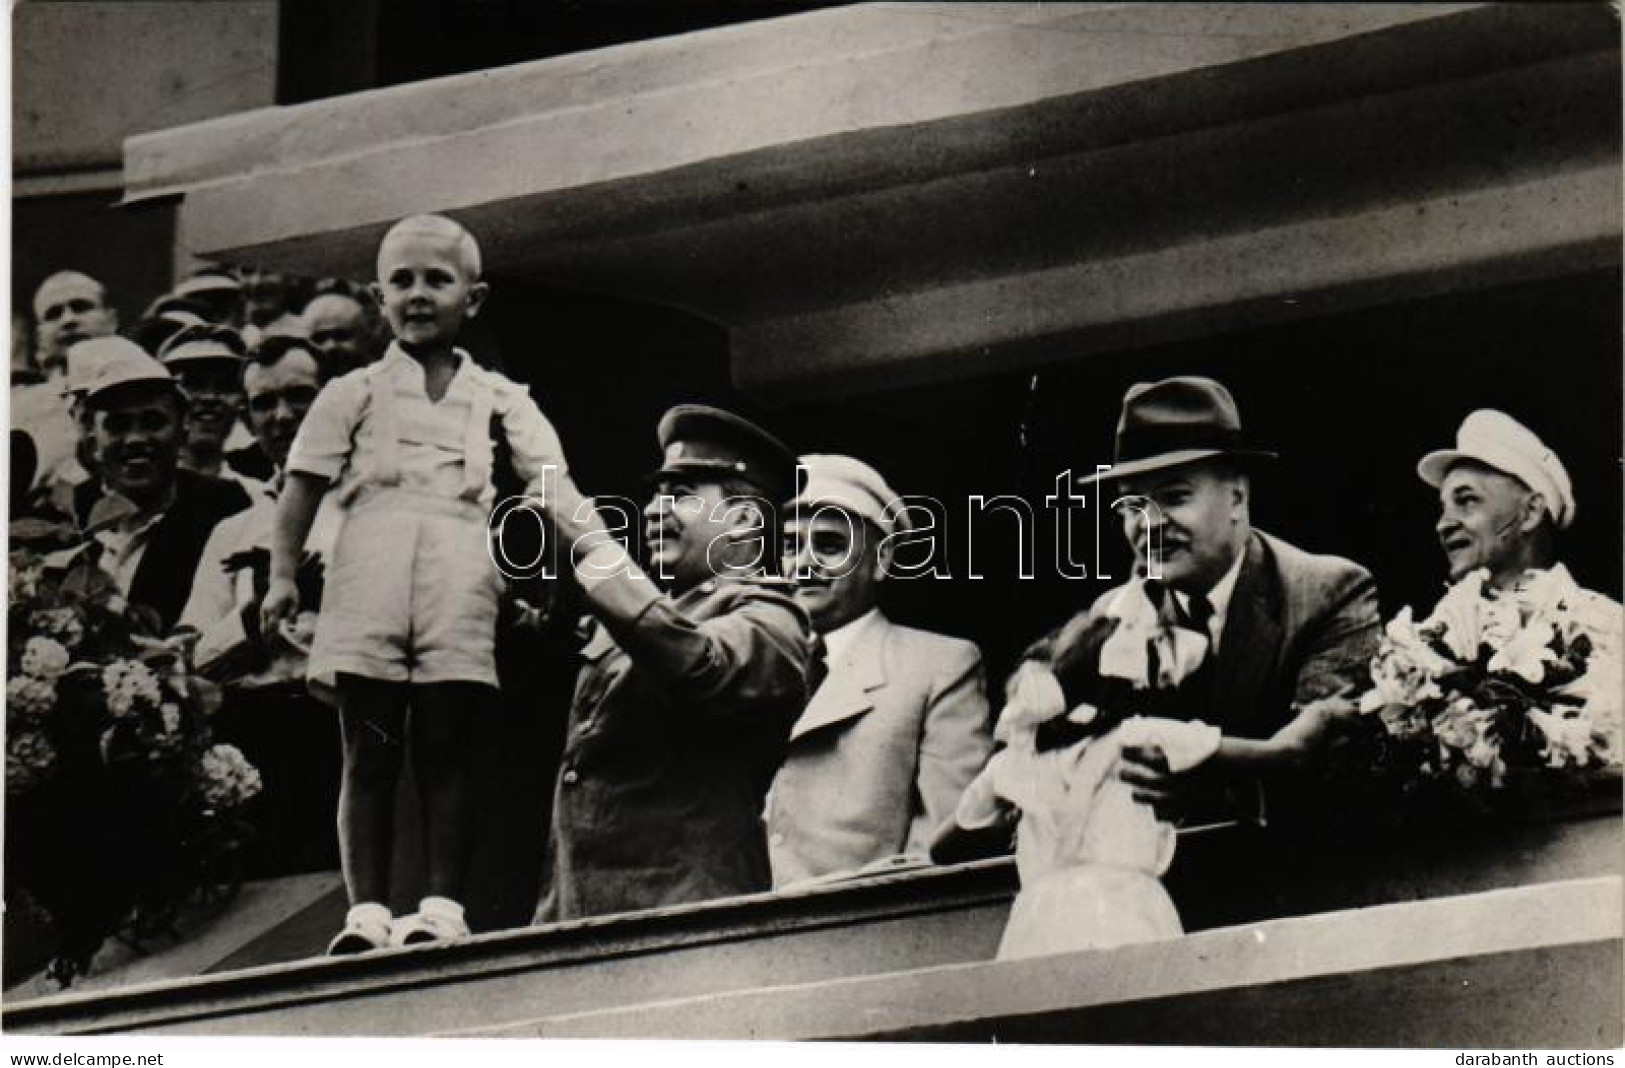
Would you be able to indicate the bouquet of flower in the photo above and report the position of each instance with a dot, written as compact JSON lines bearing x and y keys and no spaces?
{"x":1486,"y":695}
{"x":119,"y":806}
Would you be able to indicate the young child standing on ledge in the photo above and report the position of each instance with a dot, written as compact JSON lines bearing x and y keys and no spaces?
{"x":1090,"y":855}
{"x":408,"y":621}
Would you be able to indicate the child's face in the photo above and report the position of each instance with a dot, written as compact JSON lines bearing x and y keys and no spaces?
{"x":425,"y":289}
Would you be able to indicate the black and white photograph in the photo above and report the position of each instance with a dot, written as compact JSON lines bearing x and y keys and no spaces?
{"x":1020,"y":524}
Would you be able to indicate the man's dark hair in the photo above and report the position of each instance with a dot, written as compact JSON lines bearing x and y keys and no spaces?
{"x":277,"y":346}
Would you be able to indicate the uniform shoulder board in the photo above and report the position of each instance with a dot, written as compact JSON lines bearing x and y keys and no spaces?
{"x":777,"y":583}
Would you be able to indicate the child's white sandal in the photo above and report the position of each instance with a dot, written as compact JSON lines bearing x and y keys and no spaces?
{"x":438,"y":919}
{"x":367,"y":926}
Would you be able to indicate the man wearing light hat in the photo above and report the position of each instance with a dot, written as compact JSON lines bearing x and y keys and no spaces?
{"x":148,"y":520}
{"x":207,"y":362}
{"x":1283,"y":627}
{"x":692,"y":678}
{"x":899,"y":727}
{"x":1503,"y":497}
{"x":218,"y":290}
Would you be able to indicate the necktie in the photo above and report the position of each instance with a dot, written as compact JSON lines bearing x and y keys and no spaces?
{"x":1196,"y":614}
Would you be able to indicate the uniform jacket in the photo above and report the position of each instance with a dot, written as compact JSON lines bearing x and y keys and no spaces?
{"x":879,"y":758}
{"x":677,"y":724}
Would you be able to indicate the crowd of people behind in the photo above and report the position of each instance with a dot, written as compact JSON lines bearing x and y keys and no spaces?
{"x":296,"y":480}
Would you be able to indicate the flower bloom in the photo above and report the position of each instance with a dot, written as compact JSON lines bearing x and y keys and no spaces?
{"x":1526,"y":652}
{"x":228,"y":779}
{"x":29,"y":696}
{"x":44,"y":658}
{"x":63,"y":624}
{"x":1405,"y":667}
{"x":30,"y":759}
{"x":1571,"y":740}
{"x":127,"y":681}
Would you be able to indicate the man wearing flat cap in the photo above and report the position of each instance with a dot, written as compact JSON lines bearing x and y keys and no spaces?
{"x":147,"y":520}
{"x":899,"y":726}
{"x":207,"y":362}
{"x":1284,"y":627}
{"x":1503,"y":499}
{"x":692,"y":677}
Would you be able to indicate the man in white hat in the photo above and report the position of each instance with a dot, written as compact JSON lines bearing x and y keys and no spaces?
{"x":217,"y":290}
{"x":268,"y":712}
{"x":898,"y":728}
{"x":149,"y":520}
{"x":1503,"y":498}
{"x":207,"y":362}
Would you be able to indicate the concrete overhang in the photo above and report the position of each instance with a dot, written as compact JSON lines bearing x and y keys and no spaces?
{"x":886,"y":194}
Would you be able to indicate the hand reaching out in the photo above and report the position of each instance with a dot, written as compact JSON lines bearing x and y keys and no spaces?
{"x":1319,"y":726}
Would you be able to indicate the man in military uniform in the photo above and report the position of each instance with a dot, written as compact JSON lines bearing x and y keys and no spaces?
{"x":692,"y":679}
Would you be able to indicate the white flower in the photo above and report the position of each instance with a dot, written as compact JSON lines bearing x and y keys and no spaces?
{"x":227,"y":779}
{"x":30,"y":759}
{"x":1526,"y":652}
{"x":1461,"y":726}
{"x":1459,"y":615}
{"x":1499,"y":622}
{"x":29,"y":696}
{"x":44,"y":658}
{"x":60,"y":623}
{"x":25,"y":579}
{"x":172,"y":716}
{"x":127,"y":681}
{"x":1405,"y":669}
{"x":1570,"y":739}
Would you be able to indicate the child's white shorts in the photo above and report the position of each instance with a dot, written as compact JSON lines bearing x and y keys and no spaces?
{"x":410,"y":595}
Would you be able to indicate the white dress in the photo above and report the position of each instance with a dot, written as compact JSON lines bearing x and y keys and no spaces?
{"x":1090,"y":856}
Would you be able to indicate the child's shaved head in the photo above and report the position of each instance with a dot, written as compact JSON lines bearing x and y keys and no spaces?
{"x":438,"y":227}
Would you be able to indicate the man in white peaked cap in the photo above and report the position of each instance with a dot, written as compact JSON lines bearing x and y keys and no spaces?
{"x":1503,"y":496}
{"x":893,"y":735}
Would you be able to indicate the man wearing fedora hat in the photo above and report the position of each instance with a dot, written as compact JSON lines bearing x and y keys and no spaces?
{"x":692,"y":678}
{"x":899,"y":727}
{"x":1284,"y":627}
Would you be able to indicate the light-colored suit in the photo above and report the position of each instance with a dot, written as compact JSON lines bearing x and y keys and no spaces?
{"x":878,"y":759}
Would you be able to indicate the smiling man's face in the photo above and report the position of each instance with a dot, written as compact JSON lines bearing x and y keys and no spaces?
{"x":138,"y":440}
{"x":1481,"y":519}
{"x":1193,"y":526}
{"x":834,"y":560}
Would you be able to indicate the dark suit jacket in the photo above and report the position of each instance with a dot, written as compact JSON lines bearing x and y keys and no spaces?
{"x":163,"y":579}
{"x":1299,"y":626}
